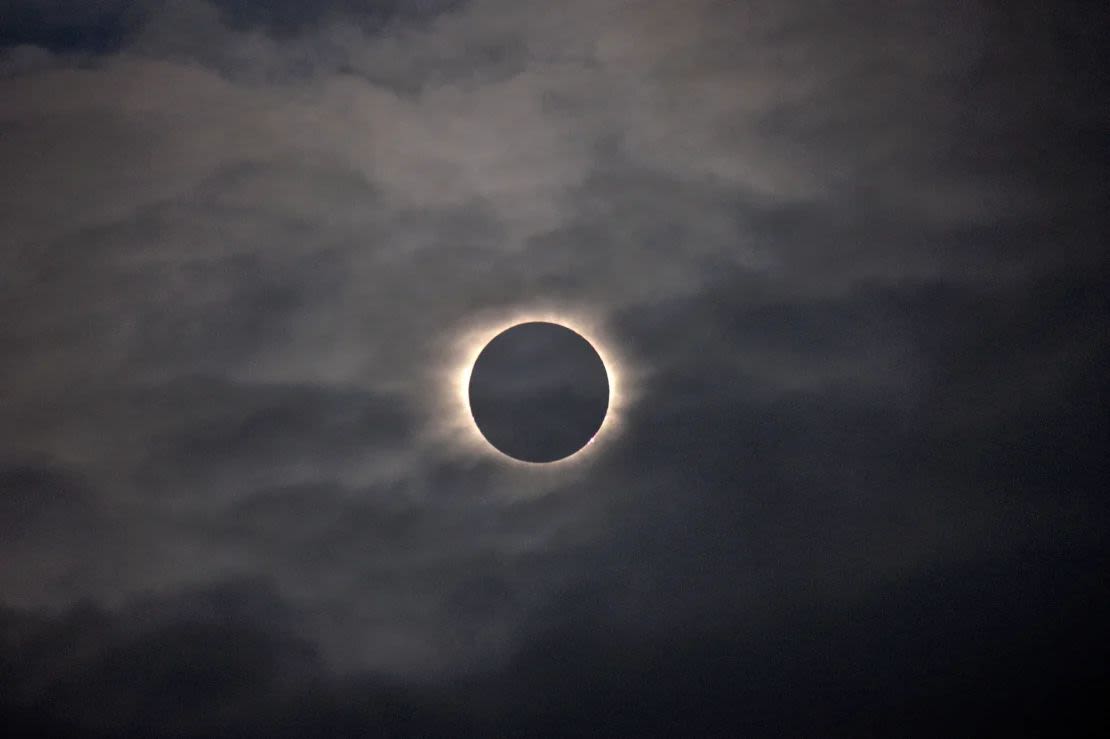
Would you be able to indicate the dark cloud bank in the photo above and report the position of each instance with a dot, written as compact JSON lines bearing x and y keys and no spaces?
{"x":852,"y":257}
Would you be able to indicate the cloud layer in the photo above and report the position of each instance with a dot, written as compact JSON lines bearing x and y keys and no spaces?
{"x":850,"y":258}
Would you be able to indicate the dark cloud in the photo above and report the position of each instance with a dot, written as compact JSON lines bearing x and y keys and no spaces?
{"x":285,"y":17}
{"x":71,"y":25}
{"x":107,"y":26}
{"x":907,"y":660}
{"x":847,"y":265}
{"x":34,"y":492}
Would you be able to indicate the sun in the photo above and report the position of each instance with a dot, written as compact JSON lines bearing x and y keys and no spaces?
{"x":468,"y":342}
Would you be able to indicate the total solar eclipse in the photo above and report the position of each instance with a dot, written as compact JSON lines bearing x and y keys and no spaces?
{"x":538,"y":392}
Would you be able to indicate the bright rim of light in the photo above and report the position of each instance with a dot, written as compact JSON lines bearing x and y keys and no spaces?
{"x":474,"y":339}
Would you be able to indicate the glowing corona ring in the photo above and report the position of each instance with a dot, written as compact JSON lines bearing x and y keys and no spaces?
{"x":473,"y":339}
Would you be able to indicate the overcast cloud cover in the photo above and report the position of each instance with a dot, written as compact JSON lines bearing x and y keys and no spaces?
{"x":850,"y":256}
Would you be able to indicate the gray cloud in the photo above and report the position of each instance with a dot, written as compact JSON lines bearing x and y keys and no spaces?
{"x":849,"y":260}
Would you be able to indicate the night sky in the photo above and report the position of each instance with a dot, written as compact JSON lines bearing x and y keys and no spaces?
{"x":845,"y":260}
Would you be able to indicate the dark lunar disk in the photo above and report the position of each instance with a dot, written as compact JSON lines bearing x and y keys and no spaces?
{"x":539,"y":392}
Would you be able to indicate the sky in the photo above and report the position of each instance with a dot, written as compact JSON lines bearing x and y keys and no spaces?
{"x":845,"y":262}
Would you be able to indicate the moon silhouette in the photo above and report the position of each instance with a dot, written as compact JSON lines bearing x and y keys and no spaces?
{"x":539,"y":392}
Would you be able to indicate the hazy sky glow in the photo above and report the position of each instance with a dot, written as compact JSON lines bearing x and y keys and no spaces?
{"x":844,"y":263}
